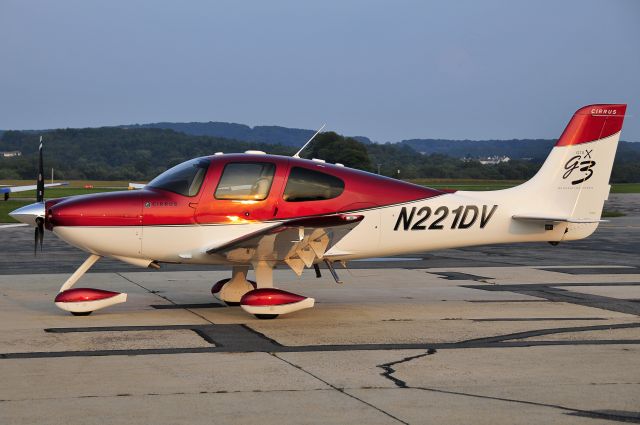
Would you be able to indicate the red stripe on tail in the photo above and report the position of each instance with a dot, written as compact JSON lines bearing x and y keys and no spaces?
{"x":593,"y":122}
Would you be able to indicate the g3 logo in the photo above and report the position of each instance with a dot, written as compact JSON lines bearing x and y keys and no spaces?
{"x":581,"y":163}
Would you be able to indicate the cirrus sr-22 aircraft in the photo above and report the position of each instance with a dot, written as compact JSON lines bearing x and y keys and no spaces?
{"x":255,"y":210}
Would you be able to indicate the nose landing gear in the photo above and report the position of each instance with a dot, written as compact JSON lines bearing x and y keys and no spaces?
{"x":84,"y":301}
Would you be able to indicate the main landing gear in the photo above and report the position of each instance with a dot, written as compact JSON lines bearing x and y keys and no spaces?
{"x":261,"y":299}
{"x":258,"y":298}
{"x":230,"y":291}
{"x":84,"y":301}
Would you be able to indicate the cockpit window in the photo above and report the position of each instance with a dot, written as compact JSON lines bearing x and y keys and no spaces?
{"x":309,"y":185}
{"x":184,"y":179}
{"x":246,"y":181}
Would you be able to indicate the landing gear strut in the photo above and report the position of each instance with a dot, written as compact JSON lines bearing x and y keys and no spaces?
{"x":84,"y":301}
{"x":231,"y":290}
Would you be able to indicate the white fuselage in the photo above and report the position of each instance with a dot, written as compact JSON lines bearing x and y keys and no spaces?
{"x":447,"y":221}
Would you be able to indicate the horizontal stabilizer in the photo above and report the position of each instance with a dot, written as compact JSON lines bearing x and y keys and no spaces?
{"x":556,"y":219}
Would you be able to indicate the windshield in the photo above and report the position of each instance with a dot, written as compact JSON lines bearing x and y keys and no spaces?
{"x":185,"y":178}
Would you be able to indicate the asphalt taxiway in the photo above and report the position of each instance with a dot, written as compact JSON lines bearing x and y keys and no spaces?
{"x":512,"y":334}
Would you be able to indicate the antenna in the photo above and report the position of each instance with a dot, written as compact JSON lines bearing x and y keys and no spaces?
{"x":297,"y":154}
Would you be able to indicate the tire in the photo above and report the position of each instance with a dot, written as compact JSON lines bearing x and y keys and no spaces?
{"x":266,"y":316}
{"x":81,"y":313}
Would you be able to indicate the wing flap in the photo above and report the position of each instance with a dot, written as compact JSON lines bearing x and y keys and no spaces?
{"x":298,"y":242}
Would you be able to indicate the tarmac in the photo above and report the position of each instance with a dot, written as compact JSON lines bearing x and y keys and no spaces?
{"x":517,"y":334}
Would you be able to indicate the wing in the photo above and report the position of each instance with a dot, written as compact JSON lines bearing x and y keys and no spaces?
{"x":13,"y":189}
{"x":299,"y":242}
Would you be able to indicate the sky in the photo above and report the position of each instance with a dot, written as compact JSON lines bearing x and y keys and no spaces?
{"x":388,"y":70}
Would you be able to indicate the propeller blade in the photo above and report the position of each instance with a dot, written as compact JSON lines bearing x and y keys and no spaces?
{"x":39,"y":235}
{"x":40,"y":181}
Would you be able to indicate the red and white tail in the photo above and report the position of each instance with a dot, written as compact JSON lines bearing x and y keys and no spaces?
{"x":573,"y":182}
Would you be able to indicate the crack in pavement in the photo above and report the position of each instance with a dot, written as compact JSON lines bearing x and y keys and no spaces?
{"x":161,"y":394}
{"x":340,"y":390}
{"x":399,"y":383}
{"x":389,"y":370}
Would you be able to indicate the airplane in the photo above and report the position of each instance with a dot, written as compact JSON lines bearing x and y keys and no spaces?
{"x":6,"y":190}
{"x":258,"y":211}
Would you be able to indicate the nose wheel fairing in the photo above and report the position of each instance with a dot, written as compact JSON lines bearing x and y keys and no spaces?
{"x":84,"y":301}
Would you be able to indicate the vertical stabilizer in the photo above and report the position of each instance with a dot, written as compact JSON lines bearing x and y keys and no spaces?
{"x":574,"y":180}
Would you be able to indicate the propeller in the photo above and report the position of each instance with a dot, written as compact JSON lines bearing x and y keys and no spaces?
{"x":39,"y":230}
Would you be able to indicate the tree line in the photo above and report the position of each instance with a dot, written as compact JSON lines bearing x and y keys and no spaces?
{"x":115,"y":153}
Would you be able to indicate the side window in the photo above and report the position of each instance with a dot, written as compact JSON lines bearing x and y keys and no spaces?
{"x":309,"y":185}
{"x":245,"y":181}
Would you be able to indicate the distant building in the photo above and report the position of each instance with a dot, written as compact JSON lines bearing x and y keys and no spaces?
{"x":10,"y":154}
{"x":488,"y":160}
{"x":494,"y":159}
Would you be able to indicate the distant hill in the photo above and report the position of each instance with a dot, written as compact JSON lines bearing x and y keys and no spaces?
{"x":518,"y":149}
{"x":530,"y":149}
{"x":536,"y":149}
{"x":269,"y":134}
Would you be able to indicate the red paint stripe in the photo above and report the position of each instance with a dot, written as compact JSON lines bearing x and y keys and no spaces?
{"x":270,"y":296}
{"x":593,"y":122}
{"x":84,"y":294}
